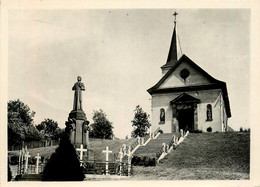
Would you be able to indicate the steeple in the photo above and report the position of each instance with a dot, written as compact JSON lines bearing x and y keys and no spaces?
{"x":174,"y":50}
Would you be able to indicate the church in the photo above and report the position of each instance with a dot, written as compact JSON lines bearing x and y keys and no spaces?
{"x":187,"y":97}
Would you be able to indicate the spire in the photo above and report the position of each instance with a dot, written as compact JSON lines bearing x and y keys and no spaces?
{"x":172,"y":56}
{"x":175,"y":49}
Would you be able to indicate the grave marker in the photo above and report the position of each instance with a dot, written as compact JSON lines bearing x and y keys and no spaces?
{"x":81,"y":150}
{"x":129,"y":160}
{"x":181,"y":131}
{"x":121,"y":154}
{"x":107,"y":151}
{"x":37,"y":163}
{"x":26,"y":161}
{"x":124,"y":149}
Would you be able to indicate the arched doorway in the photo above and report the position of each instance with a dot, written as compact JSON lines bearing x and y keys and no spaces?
{"x":184,"y":109}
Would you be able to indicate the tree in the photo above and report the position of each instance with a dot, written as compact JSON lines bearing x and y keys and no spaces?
{"x":140,"y":123}
{"x":64,"y":164}
{"x":20,"y":123}
{"x":49,"y":128}
{"x":102,"y":127}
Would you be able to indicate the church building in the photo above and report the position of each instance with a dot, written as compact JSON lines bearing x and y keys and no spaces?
{"x":187,"y":97}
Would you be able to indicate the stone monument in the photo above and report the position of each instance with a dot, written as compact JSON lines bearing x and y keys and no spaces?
{"x":77,"y":124}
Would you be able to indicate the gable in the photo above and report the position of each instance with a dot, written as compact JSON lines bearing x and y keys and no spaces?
{"x":197,"y":80}
{"x":196,"y":77}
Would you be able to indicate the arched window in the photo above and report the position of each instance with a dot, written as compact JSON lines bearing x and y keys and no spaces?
{"x":209,"y":112}
{"x":162,"y":115}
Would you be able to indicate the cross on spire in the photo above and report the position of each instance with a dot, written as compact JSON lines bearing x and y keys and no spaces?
{"x":175,"y":16}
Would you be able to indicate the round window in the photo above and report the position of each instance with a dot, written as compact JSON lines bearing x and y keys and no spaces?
{"x":184,"y":73}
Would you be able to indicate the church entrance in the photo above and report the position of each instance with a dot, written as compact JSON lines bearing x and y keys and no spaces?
{"x":186,"y":119}
{"x":184,"y":113}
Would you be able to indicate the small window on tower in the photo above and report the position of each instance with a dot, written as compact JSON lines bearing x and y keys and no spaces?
{"x":209,"y":112}
{"x":184,"y":73}
{"x":162,"y":116}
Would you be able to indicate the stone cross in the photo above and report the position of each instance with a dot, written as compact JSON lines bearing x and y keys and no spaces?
{"x":129,"y":160}
{"x":19,"y":163}
{"x":107,"y":151}
{"x":81,"y":150}
{"x":174,"y":139}
{"x":181,"y":131}
{"x":26,"y":161}
{"x":167,"y":148}
{"x":139,"y":140}
{"x":142,"y":142}
{"x":121,"y":154}
{"x":187,"y":133}
{"x":124,"y":149}
{"x":164,"y":147}
{"x":37,"y":163}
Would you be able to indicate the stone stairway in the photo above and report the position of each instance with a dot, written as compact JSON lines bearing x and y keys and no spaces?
{"x":155,"y":145}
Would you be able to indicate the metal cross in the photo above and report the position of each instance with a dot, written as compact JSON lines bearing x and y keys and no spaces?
{"x":175,"y":15}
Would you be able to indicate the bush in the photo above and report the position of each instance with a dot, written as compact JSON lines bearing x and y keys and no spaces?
{"x":64,"y":164}
{"x":143,"y":161}
{"x":209,"y":129}
{"x":196,"y":131}
{"x":14,"y":160}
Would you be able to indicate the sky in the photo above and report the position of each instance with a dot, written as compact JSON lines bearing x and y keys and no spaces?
{"x":118,"y":54}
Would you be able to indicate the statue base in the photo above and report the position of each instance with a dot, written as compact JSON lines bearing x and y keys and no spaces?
{"x":77,"y":127}
{"x":78,"y":115}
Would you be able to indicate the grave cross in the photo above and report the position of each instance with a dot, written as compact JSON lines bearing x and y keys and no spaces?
{"x":107,"y":151}
{"x":26,"y":161}
{"x":129,"y":160}
{"x":81,"y":150}
{"x":121,"y":154}
{"x":37,"y":163}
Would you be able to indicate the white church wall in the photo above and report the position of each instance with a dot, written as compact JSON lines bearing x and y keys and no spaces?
{"x":206,"y":97}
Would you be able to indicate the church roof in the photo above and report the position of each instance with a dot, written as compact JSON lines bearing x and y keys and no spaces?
{"x":214,"y":83}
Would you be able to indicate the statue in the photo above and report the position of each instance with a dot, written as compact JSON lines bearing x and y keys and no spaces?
{"x":78,"y":87}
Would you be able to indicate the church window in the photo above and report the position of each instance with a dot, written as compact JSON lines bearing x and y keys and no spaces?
{"x":209,"y":112}
{"x":184,"y":73}
{"x":162,"y":116}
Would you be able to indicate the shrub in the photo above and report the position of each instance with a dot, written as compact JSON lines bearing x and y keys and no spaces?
{"x":14,"y":160}
{"x":209,"y":129}
{"x":196,"y":131}
{"x":143,"y":161}
{"x":64,"y":164}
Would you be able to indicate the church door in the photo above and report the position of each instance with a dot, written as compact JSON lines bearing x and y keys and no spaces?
{"x":186,"y":119}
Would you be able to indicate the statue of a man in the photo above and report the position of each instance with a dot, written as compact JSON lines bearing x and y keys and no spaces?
{"x":78,"y":87}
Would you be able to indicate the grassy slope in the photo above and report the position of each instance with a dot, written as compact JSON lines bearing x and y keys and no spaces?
{"x":203,"y":156}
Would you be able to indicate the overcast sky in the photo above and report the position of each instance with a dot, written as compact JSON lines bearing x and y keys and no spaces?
{"x":118,"y":54}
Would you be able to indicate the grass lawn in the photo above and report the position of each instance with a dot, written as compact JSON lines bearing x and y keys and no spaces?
{"x":215,"y":156}
{"x":204,"y":156}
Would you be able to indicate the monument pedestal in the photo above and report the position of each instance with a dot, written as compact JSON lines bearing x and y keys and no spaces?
{"x":77,"y":127}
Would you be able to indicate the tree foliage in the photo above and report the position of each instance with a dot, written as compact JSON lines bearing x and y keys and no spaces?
{"x":20,"y":123}
{"x":102,"y":127}
{"x":64,"y":164}
{"x":140,"y":123}
{"x":49,"y":129}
